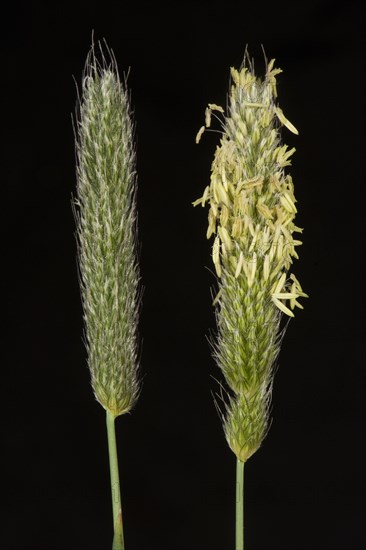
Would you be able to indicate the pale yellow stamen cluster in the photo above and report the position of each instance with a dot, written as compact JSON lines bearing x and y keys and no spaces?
{"x":251,"y":199}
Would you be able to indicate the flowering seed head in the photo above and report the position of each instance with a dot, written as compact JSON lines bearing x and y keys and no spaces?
{"x":106,"y":232}
{"x":251,"y":215}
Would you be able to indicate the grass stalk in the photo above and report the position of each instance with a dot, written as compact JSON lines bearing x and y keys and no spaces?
{"x":239,"y":531}
{"x":252,"y":209}
{"x":118,"y":539}
{"x":106,"y":216}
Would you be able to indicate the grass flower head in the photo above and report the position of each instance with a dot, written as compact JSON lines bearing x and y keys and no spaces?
{"x":106,"y":231}
{"x":252,"y":208}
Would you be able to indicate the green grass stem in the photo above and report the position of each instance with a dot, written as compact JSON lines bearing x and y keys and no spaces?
{"x":118,"y":540}
{"x":239,"y":534}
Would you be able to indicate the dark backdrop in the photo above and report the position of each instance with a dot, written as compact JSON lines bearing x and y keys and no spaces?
{"x":305,"y":486}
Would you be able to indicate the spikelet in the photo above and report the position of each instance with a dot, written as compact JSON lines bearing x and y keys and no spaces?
{"x":251,"y":215}
{"x":105,"y":211}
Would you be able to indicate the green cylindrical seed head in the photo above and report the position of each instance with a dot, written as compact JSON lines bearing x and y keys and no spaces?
{"x":106,"y":231}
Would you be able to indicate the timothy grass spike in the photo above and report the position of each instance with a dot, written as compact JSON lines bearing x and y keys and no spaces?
{"x":251,"y":214}
{"x":106,"y":230}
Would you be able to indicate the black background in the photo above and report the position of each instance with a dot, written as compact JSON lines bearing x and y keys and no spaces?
{"x":305,"y":487}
